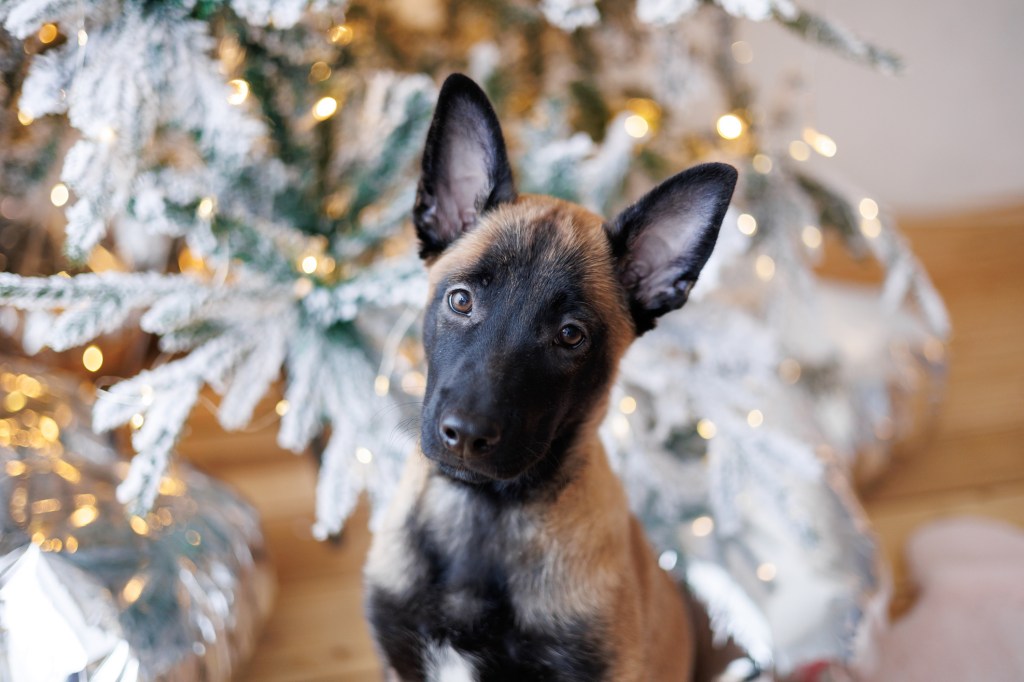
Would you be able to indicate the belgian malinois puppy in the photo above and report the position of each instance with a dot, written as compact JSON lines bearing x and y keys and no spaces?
{"x":509,"y":551}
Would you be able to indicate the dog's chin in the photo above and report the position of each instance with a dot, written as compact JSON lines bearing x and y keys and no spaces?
{"x":477,"y":472}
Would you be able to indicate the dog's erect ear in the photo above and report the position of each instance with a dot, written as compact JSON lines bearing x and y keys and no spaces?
{"x":663,"y":240}
{"x":465,"y":166}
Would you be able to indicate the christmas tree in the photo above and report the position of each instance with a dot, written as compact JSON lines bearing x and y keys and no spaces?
{"x":236,"y":177}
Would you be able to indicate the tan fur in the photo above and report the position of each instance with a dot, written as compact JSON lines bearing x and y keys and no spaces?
{"x":582,"y":554}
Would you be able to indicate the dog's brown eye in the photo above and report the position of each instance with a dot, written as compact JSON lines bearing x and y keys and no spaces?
{"x":460,"y":301}
{"x":570,"y":335}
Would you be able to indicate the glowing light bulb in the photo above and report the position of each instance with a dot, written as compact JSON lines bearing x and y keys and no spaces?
{"x":755,"y":418}
{"x":25,"y":118}
{"x":308,"y":264}
{"x":320,"y":71}
{"x":730,"y":126}
{"x":742,"y":52}
{"x":706,"y":429}
{"x":766,"y":572}
{"x":799,"y":150}
{"x":762,"y":163}
{"x":137,"y":421}
{"x":59,"y":194}
{"x":282,"y":407}
{"x":364,"y":455}
{"x":747,"y":224}
{"x":206,"y":207}
{"x":83,"y":37}
{"x":381,"y":385}
{"x":48,"y":33}
{"x":325,"y":108}
{"x":811,"y":236}
{"x":340,"y":34}
{"x":668,"y":560}
{"x":702,"y":526}
{"x":636,"y":126}
{"x":870,"y":227}
{"x":627,"y":405}
{"x":92,"y":358}
{"x":764,"y":266}
{"x":239,"y":91}
{"x":868,"y":208}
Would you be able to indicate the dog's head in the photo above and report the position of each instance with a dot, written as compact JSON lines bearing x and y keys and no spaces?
{"x":533,"y":300}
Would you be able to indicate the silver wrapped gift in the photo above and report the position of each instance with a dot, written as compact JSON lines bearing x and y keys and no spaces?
{"x":91,"y":592}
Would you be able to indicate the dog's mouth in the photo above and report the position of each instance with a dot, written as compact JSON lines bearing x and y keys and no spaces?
{"x":494,"y":467}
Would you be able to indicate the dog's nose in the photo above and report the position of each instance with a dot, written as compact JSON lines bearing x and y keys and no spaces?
{"x":468,"y":436}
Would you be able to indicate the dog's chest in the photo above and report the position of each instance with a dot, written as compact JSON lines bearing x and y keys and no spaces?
{"x":484,"y":593}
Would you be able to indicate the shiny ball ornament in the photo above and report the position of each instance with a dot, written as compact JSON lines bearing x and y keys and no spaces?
{"x":90,"y":592}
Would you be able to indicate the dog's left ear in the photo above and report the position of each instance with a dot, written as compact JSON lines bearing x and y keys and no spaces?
{"x":465,"y":166}
{"x":663,"y":240}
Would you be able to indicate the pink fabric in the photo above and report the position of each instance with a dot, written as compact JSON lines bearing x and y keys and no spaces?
{"x":968,"y":622}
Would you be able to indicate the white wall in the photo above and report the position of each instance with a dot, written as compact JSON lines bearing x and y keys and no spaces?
{"x":947,"y":134}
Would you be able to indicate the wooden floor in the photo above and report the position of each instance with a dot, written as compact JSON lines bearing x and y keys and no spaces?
{"x":973,"y":465}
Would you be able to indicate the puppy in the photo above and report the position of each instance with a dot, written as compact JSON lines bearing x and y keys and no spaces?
{"x":509,"y":551}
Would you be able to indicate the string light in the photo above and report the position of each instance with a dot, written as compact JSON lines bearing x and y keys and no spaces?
{"x":820,"y":142}
{"x":636,"y":126}
{"x":627,"y":405}
{"x":282,"y":407}
{"x":702,"y":526}
{"x":868,"y":208}
{"x":59,"y":194}
{"x":870,"y":227}
{"x":193,"y":538}
{"x":132,"y":589}
{"x":206,"y":207}
{"x":668,"y":560}
{"x":15,"y":468}
{"x":766,"y":572}
{"x":239,"y":91}
{"x":764,"y":266}
{"x":25,"y":118}
{"x":92,"y":358}
{"x":755,"y":418}
{"x":747,"y":224}
{"x":308,"y":264}
{"x":364,"y":455}
{"x":324,"y":108}
{"x":799,"y":150}
{"x":83,"y":37}
{"x":762,"y":163}
{"x":302,"y":287}
{"x":381,"y":385}
{"x":107,"y":135}
{"x":319,"y":72}
{"x":48,"y":33}
{"x":730,"y":126}
{"x":138,"y":525}
{"x":414,"y":383}
{"x":742,"y":52}
{"x":706,"y":429}
{"x":340,"y":34}
{"x":14,"y":401}
{"x":789,"y":371}
{"x":84,"y":515}
{"x":620,"y":426}
{"x":137,"y":421}
{"x":49,"y":429}
{"x":811,"y":236}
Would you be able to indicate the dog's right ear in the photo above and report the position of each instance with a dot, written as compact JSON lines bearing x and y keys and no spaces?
{"x":465,"y":167}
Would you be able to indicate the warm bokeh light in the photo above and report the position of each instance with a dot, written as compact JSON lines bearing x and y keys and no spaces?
{"x":747,"y":224}
{"x":92,"y":358}
{"x":636,"y":126}
{"x":59,"y":195}
{"x":325,"y":108}
{"x":239,"y":91}
{"x":706,"y":429}
{"x":730,"y":126}
{"x":811,"y":236}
